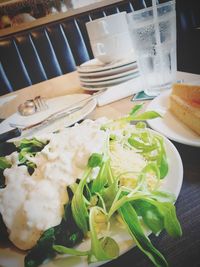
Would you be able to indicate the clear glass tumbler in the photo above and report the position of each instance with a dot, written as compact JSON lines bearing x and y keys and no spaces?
{"x":153,"y":32}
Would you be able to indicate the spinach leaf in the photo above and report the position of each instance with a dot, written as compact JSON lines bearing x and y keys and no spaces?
{"x":4,"y":163}
{"x":29,"y":147}
{"x":43,"y":249}
{"x":66,"y":233}
{"x":3,"y":231}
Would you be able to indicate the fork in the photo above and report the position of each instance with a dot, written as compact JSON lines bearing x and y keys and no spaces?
{"x":40,"y":103}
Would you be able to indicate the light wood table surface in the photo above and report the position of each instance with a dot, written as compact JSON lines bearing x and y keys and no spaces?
{"x":69,"y":84}
{"x":62,"y":85}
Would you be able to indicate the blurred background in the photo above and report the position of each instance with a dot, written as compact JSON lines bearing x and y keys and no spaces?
{"x":15,"y":12}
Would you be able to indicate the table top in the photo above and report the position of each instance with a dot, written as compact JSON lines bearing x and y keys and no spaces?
{"x":181,"y":252}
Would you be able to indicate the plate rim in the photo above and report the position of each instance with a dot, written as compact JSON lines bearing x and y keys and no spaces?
{"x":87,"y":69}
{"x":110,"y":71}
{"x":109,"y":77}
{"x":111,"y":82}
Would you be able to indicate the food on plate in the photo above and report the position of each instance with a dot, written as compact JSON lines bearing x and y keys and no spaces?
{"x":60,"y":189}
{"x":5,"y":21}
{"x":185,"y":105}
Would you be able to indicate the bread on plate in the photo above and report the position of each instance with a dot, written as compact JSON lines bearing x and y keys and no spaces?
{"x":185,"y":105}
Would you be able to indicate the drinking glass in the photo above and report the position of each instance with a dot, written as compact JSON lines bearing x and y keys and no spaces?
{"x":153,"y":32}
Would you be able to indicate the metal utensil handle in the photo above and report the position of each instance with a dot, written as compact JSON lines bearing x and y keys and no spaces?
{"x":9,"y":135}
{"x":53,"y":117}
{"x":74,"y":105}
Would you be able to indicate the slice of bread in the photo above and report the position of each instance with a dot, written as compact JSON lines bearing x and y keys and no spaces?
{"x":185,"y":105}
{"x":189,"y":93}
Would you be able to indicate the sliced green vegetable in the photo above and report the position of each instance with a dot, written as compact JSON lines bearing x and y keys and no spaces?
{"x":70,"y":251}
{"x":135,"y":109}
{"x":163,"y":212}
{"x":140,"y":125}
{"x":4,"y":163}
{"x":150,"y":215}
{"x":102,"y":249}
{"x":171,"y":222}
{"x":162,"y":196}
{"x":109,"y":193}
{"x":101,"y":179}
{"x":130,"y":218}
{"x":163,"y":162}
{"x":136,"y":141}
{"x":95,"y":160}
{"x":148,"y":115}
{"x":119,"y":123}
{"x":79,"y":207}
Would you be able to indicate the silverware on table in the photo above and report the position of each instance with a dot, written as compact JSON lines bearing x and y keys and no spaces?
{"x":18,"y":130}
{"x":31,"y":106}
{"x":54,"y":116}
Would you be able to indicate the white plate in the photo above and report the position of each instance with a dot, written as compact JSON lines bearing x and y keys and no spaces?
{"x":169,"y":125}
{"x":107,"y":78}
{"x":104,"y":84}
{"x":94,"y":65}
{"x":10,"y":257}
{"x":90,"y":88}
{"x":109,"y":72}
{"x":54,"y":104}
{"x":110,"y":81}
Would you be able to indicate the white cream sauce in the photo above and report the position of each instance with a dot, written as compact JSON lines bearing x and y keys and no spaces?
{"x":30,"y":204}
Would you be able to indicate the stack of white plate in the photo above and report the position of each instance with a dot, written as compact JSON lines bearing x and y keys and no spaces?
{"x":95,"y":75}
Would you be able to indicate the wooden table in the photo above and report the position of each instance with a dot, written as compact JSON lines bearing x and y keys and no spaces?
{"x":68,"y":84}
{"x":182,"y":252}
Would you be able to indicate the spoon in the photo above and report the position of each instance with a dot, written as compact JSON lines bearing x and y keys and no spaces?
{"x":27,"y":108}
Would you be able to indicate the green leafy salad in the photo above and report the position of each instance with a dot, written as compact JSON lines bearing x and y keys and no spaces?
{"x":120,"y":184}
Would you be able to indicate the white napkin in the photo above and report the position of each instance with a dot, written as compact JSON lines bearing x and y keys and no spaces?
{"x":119,"y":91}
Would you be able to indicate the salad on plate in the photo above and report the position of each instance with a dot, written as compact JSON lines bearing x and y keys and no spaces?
{"x":76,"y":185}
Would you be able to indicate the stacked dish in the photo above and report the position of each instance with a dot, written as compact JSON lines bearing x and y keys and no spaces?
{"x":95,"y":75}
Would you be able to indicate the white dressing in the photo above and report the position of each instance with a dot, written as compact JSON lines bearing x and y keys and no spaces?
{"x":30,"y":204}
